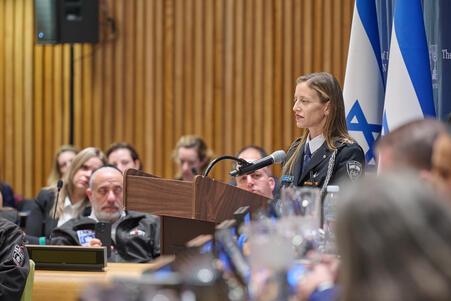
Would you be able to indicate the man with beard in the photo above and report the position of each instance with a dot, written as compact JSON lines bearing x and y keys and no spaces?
{"x":135,"y":236}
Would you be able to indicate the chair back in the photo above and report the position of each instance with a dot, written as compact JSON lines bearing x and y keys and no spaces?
{"x":27,"y":292}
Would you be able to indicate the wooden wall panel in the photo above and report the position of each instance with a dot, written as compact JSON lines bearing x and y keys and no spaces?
{"x":222,"y":69}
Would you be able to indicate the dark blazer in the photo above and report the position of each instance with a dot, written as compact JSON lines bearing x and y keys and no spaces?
{"x":40,"y":222}
{"x":349,"y":163}
{"x":8,"y":195}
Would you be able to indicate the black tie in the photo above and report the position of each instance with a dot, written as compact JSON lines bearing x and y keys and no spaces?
{"x":307,"y":157}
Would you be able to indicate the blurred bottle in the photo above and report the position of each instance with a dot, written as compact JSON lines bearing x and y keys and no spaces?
{"x":329,"y":218}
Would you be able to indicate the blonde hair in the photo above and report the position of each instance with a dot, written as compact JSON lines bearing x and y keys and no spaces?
{"x":55,"y":173}
{"x":335,"y":129}
{"x":196,"y":142}
{"x":68,"y":186}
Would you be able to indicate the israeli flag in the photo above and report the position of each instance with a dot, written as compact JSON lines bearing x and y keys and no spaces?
{"x":364,"y":82}
{"x":409,"y":84}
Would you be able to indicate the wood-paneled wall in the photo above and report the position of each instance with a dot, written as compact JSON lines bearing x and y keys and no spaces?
{"x":222,"y":69}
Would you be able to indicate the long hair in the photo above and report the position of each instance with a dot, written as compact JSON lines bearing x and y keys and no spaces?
{"x":335,"y":129}
{"x":68,"y":186}
{"x":55,"y":173}
{"x":394,"y":238}
{"x":203,"y":152}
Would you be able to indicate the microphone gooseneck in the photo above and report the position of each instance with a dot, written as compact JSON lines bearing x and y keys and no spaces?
{"x":59,"y":185}
{"x":276,"y":157}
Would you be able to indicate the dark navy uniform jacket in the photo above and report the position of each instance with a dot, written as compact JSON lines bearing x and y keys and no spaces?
{"x":136,"y":238}
{"x":326,"y":167}
{"x":14,"y":261}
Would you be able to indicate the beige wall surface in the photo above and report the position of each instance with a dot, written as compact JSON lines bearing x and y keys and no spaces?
{"x":222,"y":69}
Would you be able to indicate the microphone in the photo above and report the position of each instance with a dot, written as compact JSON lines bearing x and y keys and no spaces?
{"x":59,"y":185}
{"x":194,"y":171}
{"x":276,"y":157}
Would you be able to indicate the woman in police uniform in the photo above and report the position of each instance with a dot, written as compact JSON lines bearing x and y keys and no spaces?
{"x":325,"y":153}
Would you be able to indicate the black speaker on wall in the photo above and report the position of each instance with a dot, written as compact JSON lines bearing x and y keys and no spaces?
{"x":66,"y":21}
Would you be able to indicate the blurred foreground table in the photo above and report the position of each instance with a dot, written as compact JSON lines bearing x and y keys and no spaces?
{"x":67,"y":285}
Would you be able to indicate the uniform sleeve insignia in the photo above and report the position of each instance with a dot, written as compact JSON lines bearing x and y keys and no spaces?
{"x":18,"y":255}
{"x":354,"y":169}
{"x":137,"y":232}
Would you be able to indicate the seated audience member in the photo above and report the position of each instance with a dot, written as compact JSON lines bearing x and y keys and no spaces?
{"x":7,"y":195}
{"x":260,"y":181}
{"x":441,"y":164}
{"x":61,"y":163}
{"x":409,"y":146}
{"x":123,"y":156}
{"x":192,"y":157}
{"x":137,"y":235}
{"x":14,"y":261}
{"x":72,"y":201}
{"x":7,"y":213}
{"x":394,"y":240}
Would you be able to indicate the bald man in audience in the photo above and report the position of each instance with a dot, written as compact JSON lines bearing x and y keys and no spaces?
{"x":135,"y":236}
{"x":409,"y":147}
{"x":260,"y":181}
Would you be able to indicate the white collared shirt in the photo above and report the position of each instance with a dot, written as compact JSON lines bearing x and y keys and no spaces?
{"x":315,"y":143}
{"x":70,"y":211}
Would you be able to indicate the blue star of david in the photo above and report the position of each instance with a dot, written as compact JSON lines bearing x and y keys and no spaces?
{"x":363,"y":126}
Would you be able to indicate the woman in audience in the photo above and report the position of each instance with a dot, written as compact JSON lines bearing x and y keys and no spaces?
{"x":123,"y":156}
{"x":192,"y":157}
{"x":7,"y":195}
{"x":61,"y":163}
{"x":325,"y":153}
{"x":72,"y":199}
{"x":394,"y":239}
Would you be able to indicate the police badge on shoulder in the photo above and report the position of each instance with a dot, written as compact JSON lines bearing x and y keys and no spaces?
{"x":354,"y":169}
{"x":18,"y":255}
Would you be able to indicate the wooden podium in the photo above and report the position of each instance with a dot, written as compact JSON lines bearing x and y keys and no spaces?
{"x":204,"y":198}
{"x":187,"y":209}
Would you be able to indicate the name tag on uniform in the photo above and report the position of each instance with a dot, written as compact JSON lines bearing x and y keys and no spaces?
{"x":85,"y":236}
{"x":311,"y":184}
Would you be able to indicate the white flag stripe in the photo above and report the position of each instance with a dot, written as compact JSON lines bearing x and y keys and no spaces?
{"x":405,"y":106}
{"x":363,"y":89}
{"x":366,"y":81}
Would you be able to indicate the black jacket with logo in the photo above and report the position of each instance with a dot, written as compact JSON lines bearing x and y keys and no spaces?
{"x":136,"y":238}
{"x":14,"y":261}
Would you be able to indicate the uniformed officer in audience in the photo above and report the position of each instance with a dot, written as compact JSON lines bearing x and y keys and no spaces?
{"x":14,"y":261}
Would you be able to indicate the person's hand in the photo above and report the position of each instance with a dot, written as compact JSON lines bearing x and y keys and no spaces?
{"x":95,"y":243}
{"x":319,"y":274}
{"x":330,"y":261}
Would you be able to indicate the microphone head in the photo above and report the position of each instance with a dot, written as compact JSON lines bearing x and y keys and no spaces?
{"x":59,"y":184}
{"x":279,"y":156}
